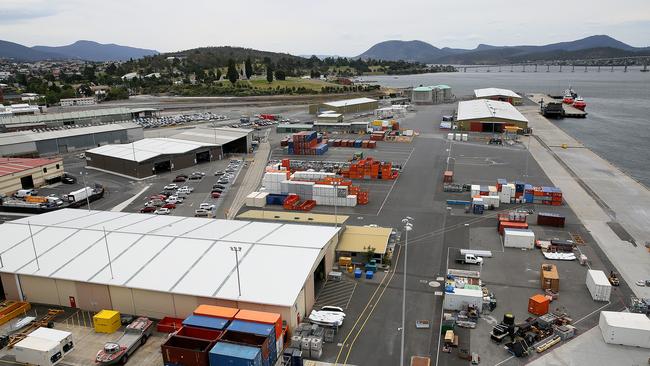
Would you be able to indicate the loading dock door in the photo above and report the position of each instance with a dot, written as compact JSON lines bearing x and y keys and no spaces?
{"x":493,"y":127}
{"x":27,"y":182}
{"x":163,"y":166}
{"x":203,"y":157}
{"x":319,"y":277}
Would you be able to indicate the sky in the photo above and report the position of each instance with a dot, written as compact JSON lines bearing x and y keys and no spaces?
{"x":332,"y":27}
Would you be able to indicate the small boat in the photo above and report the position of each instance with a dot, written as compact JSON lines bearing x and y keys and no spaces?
{"x":568,"y":99}
{"x":580,"y":103}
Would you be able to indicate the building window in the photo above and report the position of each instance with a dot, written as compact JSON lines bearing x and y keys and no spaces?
{"x":57,"y":166}
{"x":44,"y":170}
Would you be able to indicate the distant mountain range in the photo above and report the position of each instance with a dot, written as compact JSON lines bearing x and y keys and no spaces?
{"x":600,"y":46}
{"x":81,"y":50}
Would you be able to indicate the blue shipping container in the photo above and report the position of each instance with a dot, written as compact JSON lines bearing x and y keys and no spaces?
{"x":230,"y":354}
{"x":275,"y":199}
{"x":264,"y":330}
{"x":206,"y":322}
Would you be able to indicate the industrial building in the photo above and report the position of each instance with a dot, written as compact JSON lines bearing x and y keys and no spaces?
{"x":293,"y":127}
{"x":503,"y":95}
{"x":295,"y":217}
{"x":77,"y":118}
{"x":356,"y":105}
{"x":66,"y":139}
{"x":483,"y":115}
{"x":19,"y":173}
{"x":22,"y":109}
{"x":356,"y":241}
{"x":422,"y":95}
{"x":330,"y":117}
{"x":151,"y":156}
{"x":164,"y":265}
{"x":432,"y":94}
{"x":69,"y":102}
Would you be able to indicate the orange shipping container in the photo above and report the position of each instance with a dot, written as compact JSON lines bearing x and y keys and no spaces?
{"x":216,"y":311}
{"x":538,"y":305}
{"x":36,"y":199}
{"x":262,"y":317}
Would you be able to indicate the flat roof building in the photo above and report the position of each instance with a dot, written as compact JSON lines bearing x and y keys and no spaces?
{"x":483,"y":115}
{"x":356,"y":240}
{"x":164,"y":265}
{"x":503,"y":95}
{"x":355,"y":105}
{"x":330,"y":117}
{"x":79,"y":118}
{"x":69,"y":102}
{"x":20,"y":173}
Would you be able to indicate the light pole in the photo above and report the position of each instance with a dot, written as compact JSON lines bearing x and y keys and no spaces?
{"x":83,"y":178}
{"x":237,"y":250}
{"x":407,"y":227}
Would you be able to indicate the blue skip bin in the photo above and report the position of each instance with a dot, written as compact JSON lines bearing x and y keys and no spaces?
{"x":357,"y":273}
{"x":369,"y":275}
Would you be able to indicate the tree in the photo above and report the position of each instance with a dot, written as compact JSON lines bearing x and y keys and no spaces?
{"x":85,"y":90}
{"x":269,"y":73}
{"x":280,"y":75}
{"x":89,"y":73}
{"x":232,"y":73}
{"x":117,"y":93}
{"x":111,"y":69}
{"x":218,"y":74}
{"x":249,"y":68}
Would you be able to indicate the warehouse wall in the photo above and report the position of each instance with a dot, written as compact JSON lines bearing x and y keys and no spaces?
{"x":309,"y":295}
{"x":466,"y":124}
{"x":23,"y":149}
{"x":122,"y":299}
{"x":153,"y":304}
{"x":93,"y":296}
{"x":10,"y":286}
{"x":9,"y":184}
{"x":65,"y":290}
{"x":184,"y":305}
{"x":39,"y":289}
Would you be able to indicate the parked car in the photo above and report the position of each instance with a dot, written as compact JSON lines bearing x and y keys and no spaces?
{"x":148,"y":209}
{"x":216,"y":194}
{"x":218,"y":173}
{"x":223,"y":181}
{"x":215,"y":186}
{"x":206,"y":206}
{"x":158,"y":197}
{"x":196,"y":177}
{"x":201,"y":213}
{"x":187,"y":188}
{"x":182,"y":175}
{"x":162,"y":211}
{"x":199,"y":173}
{"x":179,"y":179}
{"x":171,"y":187}
{"x":170,"y":206}
{"x":68,"y":179}
{"x":218,"y":190}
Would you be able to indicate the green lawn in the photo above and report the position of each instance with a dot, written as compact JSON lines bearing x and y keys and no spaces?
{"x":290,"y":83}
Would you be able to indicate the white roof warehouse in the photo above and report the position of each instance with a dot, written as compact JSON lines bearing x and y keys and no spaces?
{"x":483,"y":115}
{"x":162,"y":265}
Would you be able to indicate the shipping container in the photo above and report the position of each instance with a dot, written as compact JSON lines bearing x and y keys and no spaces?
{"x":38,"y":351}
{"x":538,"y":305}
{"x":169,"y":324}
{"x":66,"y":344}
{"x":627,"y":329}
{"x":230,"y":354}
{"x":259,"y":329}
{"x":207,"y":334}
{"x":598,"y":285}
{"x":514,"y":238}
{"x":248,"y":339}
{"x":206,"y":322}
{"x":107,"y":321}
{"x":461,"y":298}
{"x":550,"y":219}
{"x":181,"y":351}
{"x":262,"y":317}
{"x":420,"y":361}
{"x":511,"y":225}
{"x":549,"y":277}
{"x":216,"y":311}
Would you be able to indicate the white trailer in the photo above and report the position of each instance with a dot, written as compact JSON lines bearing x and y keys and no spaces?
{"x":461,"y":298}
{"x":598,"y":285}
{"x":516,"y":238}
{"x":64,"y":338}
{"x":80,"y":194}
{"x":628,"y":329}
{"x":38,"y":351}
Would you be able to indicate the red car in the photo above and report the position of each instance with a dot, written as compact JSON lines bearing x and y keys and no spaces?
{"x":158,"y":197}
{"x":216,"y":194}
{"x":179,"y":179}
{"x":170,"y":206}
{"x":148,"y":209}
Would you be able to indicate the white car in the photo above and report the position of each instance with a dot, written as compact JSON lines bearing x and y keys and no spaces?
{"x":162,"y":211}
{"x":171,"y":187}
{"x":186,"y":188}
{"x":174,"y":199}
{"x":206,"y":206}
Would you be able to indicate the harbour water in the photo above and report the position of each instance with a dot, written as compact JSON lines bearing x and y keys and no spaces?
{"x":617,"y":127}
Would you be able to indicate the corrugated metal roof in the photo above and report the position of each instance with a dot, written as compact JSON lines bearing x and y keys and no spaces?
{"x":11,"y":138}
{"x":182,"y":255}
{"x":357,"y":238}
{"x":299,"y":217}
{"x":51,"y":117}
{"x":16,"y":165}
{"x":626,"y":320}
{"x":493,"y":92}
{"x":483,"y":108}
{"x":146,"y":149}
{"x":423,"y":89}
{"x":348,"y":102}
{"x":218,"y":136}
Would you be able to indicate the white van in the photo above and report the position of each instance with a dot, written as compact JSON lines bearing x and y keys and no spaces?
{"x":22,"y":193}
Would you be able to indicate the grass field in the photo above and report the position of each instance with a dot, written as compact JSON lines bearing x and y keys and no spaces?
{"x":291,"y":83}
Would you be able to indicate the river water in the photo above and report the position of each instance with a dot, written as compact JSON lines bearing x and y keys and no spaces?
{"x":618,"y":124}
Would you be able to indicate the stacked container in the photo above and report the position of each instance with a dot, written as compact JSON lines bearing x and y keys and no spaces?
{"x":272,"y":180}
{"x":547,"y":196}
{"x":514,"y":238}
{"x":598,"y":285}
{"x":107,"y":321}
{"x":224,"y":353}
{"x":254,"y":334}
{"x":550,"y":219}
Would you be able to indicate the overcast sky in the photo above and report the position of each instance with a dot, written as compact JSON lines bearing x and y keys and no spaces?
{"x":323,"y":27}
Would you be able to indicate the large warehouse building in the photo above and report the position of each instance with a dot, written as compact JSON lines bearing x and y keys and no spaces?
{"x":356,"y":105}
{"x":484,"y":115}
{"x":432,"y":94}
{"x":503,"y":95}
{"x":67,"y":139}
{"x":18,"y":173}
{"x":164,"y":265}
{"x":77,"y":118}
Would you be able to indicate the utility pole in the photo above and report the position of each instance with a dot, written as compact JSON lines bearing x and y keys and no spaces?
{"x":407,"y":227}
{"x":237,"y":250}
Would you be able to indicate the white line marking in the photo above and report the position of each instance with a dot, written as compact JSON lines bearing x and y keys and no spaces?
{"x":394,"y":182}
{"x":123,"y":205}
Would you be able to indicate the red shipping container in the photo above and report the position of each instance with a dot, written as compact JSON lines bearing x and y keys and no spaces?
{"x":448,"y":176}
{"x":211,"y":335}
{"x":511,"y":225}
{"x":169,"y":325}
{"x":550,"y":219}
{"x":186,"y":351}
{"x":248,"y":339}
{"x":538,"y":305}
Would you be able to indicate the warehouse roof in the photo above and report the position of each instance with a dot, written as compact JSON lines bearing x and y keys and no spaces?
{"x":484,"y":108}
{"x":422,"y":89}
{"x":357,"y":238}
{"x":492,"y":92}
{"x":15,"y":165}
{"x":347,"y":102}
{"x":311,"y":218}
{"x":146,"y":149}
{"x":626,"y":320}
{"x":218,"y":136}
{"x":11,"y":138}
{"x":182,"y":255}
{"x":50,"y":117}
{"x":329,"y":115}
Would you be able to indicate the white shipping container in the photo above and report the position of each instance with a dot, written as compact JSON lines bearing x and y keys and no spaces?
{"x":628,"y":329}
{"x":250,"y":199}
{"x":515,"y":238}
{"x":38,"y":351}
{"x":64,"y":338}
{"x":260,"y":199}
{"x":598,"y":285}
{"x":461,"y":298}
{"x":465,"y":137}
{"x":457,"y":137}
{"x":450,"y":136}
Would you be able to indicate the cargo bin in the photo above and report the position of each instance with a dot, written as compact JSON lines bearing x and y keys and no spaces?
{"x":259,"y":329}
{"x":248,"y":339}
{"x":420,"y":361}
{"x":206,"y":322}
{"x":549,"y":277}
{"x":216,"y":311}
{"x":262,"y":317}
{"x":107,"y":321}
{"x":169,"y":325}
{"x":538,"y":305}
{"x":181,"y":351}
{"x":627,"y":329}
{"x":598,"y":285}
{"x":207,"y":334}
{"x":550,"y":219}
{"x":230,"y":354}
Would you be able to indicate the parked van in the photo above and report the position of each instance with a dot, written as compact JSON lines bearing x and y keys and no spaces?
{"x":22,"y":193}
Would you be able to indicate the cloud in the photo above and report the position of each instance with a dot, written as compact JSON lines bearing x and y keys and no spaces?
{"x":17,"y":15}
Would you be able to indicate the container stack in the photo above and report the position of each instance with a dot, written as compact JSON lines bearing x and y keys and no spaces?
{"x":256,"y":199}
{"x":519,"y":192}
{"x":306,"y":143}
{"x":328,"y":190}
{"x":365,"y":144}
{"x":384,"y":125}
{"x":547,"y":196}
{"x":511,"y":220}
{"x":369,"y":168}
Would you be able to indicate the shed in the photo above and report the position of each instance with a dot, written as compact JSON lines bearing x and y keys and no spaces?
{"x":356,"y":239}
{"x":484,"y":115}
{"x":628,"y":329}
{"x":503,"y":95}
{"x":516,"y":238}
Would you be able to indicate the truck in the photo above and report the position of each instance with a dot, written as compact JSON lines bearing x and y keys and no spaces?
{"x":80,"y":194}
{"x":469,"y":258}
{"x":38,"y":351}
{"x":135,"y":335}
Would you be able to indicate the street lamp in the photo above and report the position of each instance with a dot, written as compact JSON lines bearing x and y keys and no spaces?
{"x":237,"y":250}
{"x":408,"y":226}
{"x":83,"y":178}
